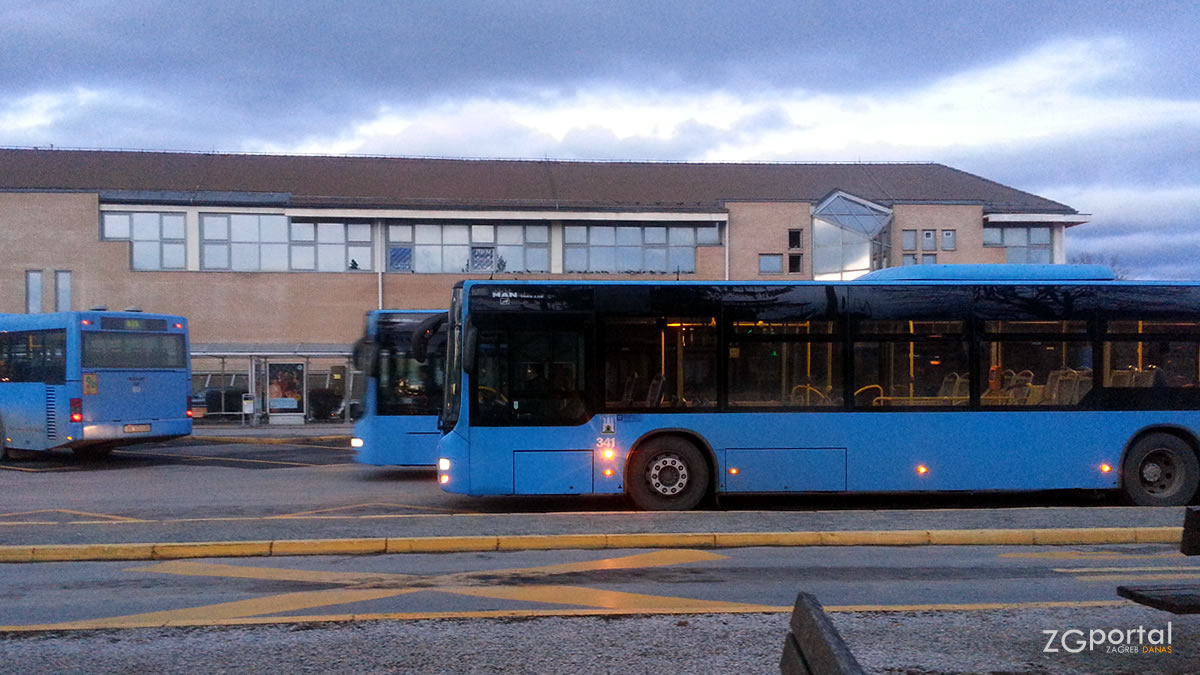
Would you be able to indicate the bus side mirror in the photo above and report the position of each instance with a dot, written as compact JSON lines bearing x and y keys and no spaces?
{"x":424,"y":333}
{"x":470,"y":344}
{"x":366,"y":354}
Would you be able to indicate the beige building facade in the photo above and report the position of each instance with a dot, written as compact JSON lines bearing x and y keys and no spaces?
{"x":280,"y":257}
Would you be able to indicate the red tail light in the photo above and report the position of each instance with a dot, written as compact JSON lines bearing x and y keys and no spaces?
{"x":189,"y":406}
{"x":76,"y":410}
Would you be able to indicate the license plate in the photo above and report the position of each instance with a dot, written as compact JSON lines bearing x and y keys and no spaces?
{"x":137,"y":428}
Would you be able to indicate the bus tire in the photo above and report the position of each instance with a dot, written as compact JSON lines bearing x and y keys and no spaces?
{"x":667,"y":474}
{"x":1160,"y":470}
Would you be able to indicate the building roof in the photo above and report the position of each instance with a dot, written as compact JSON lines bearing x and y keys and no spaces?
{"x":404,"y":182}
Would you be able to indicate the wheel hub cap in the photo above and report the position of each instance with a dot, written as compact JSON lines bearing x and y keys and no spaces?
{"x":668,"y":475}
{"x":1152,"y":472}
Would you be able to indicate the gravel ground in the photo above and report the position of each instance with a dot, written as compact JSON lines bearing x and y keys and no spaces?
{"x":1009,"y":641}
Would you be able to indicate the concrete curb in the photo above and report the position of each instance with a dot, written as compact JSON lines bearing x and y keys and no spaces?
{"x":468,"y":544}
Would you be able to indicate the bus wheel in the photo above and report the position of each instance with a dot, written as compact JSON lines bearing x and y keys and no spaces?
{"x":1160,"y":470}
{"x":667,"y":474}
{"x":93,"y":453}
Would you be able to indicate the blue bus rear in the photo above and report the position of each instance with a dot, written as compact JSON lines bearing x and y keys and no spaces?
{"x":402,"y":393}
{"x":92,"y":381}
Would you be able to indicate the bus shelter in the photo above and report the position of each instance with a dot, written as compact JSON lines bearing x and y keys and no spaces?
{"x":287,"y":383}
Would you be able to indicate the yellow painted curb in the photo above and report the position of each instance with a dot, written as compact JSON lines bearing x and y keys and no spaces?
{"x":329,"y":546}
{"x":981,"y":537}
{"x":73,"y":552}
{"x":443,"y":544}
{"x":875,"y":538}
{"x":546,"y":542}
{"x":211,"y":549}
{"x":369,"y":546}
{"x":668,"y":540}
{"x":1159,"y":535}
{"x":749,"y":539}
{"x":16,"y":554}
{"x":1097,"y":535}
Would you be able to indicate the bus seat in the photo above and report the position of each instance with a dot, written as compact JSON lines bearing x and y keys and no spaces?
{"x":1143,"y":378}
{"x":962,"y":387}
{"x":1022,"y":378}
{"x":630,"y":385}
{"x":1082,"y":389}
{"x":1006,"y":378}
{"x":1067,"y":384}
{"x":949,"y":384}
{"x":654,"y":394}
{"x":1121,"y":378}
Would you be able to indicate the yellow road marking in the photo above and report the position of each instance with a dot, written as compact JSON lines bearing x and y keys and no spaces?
{"x":1117,"y":578}
{"x":374,"y":586}
{"x":25,"y":469}
{"x":105,"y":517}
{"x":195,"y":569}
{"x":1098,"y":570}
{"x":605,"y":599}
{"x":273,"y":604}
{"x":208,"y":458}
{"x":976,"y":606}
{"x":1090,"y":555}
{"x":540,"y":613}
{"x":321,"y":512}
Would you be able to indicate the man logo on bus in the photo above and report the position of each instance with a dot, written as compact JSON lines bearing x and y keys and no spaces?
{"x":608,"y":424}
{"x":91,"y":384}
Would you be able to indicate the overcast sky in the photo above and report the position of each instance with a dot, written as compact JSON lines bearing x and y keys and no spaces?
{"x":1093,"y":104}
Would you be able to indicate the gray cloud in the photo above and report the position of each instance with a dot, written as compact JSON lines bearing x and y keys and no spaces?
{"x":214,"y":75}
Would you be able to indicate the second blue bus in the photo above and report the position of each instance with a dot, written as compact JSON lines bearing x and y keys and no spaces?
{"x":403,"y":390}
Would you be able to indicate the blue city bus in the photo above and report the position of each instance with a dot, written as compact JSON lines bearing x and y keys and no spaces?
{"x":93,"y":381}
{"x":403,"y":390}
{"x":926,"y":378}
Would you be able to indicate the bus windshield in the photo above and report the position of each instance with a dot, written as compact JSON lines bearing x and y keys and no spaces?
{"x":404,"y":384}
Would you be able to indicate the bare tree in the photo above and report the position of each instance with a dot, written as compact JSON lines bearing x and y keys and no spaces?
{"x":1119,"y":270}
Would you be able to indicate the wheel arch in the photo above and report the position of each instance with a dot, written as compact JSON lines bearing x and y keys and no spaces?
{"x":689,"y":435}
{"x":1181,"y":432}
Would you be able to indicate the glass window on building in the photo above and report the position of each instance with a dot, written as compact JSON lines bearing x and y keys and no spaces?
{"x":770,"y":263}
{"x":910,"y":259}
{"x":62,"y":291}
{"x":949,"y":240}
{"x":157,"y":240}
{"x":477,"y":248}
{"x":248,"y":242}
{"x":33,"y":292}
{"x":908,"y":240}
{"x":849,"y":238}
{"x":632,"y":248}
{"x":795,"y":263}
{"x":928,"y":240}
{"x":795,"y":239}
{"x":928,"y":258}
{"x":1023,"y":244}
